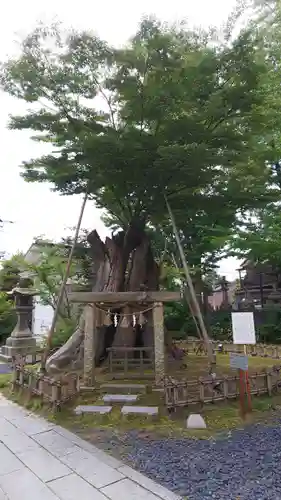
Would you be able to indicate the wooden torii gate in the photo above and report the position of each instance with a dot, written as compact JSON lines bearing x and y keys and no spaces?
{"x":110,"y":299}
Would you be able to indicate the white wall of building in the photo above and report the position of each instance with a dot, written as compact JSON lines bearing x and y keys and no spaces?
{"x":42,"y":318}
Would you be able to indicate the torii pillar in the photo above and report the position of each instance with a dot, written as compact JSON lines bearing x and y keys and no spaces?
{"x":112,"y":299}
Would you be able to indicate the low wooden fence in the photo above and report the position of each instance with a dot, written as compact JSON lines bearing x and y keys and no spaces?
{"x":262,"y":350}
{"x":55,"y":392}
{"x":180,"y":393}
{"x":133,"y":362}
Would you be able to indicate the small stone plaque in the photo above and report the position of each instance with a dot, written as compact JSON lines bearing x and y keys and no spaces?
{"x":120,"y":398}
{"x":139,"y":410}
{"x":195,"y":421}
{"x":102,"y":410}
{"x":124,"y":387}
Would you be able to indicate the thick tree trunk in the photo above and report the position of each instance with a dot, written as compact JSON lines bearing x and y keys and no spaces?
{"x":122,"y":263}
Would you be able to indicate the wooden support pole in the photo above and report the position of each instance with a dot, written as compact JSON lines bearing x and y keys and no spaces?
{"x":196,"y":305}
{"x":89,"y":345}
{"x":159,"y":342}
{"x":242,"y":393}
{"x":63,"y":285}
{"x":185,"y":294}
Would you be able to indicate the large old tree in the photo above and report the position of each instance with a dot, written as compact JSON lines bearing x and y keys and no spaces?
{"x":175,"y":113}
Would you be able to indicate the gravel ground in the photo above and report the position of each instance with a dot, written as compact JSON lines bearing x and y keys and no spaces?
{"x":244,"y":465}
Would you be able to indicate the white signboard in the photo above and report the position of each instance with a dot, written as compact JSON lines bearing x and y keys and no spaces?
{"x":238,"y":361}
{"x":243,"y":328}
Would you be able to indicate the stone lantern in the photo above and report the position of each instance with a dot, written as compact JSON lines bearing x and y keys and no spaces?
{"x":21,"y":341}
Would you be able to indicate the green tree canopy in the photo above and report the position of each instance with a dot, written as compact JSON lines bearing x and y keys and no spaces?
{"x":10,"y":272}
{"x":175,"y":112}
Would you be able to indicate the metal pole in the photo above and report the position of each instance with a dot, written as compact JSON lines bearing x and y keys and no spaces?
{"x":191,"y":288}
{"x":62,"y":288}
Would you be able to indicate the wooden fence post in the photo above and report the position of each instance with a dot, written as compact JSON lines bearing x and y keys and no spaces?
{"x":269,"y":382}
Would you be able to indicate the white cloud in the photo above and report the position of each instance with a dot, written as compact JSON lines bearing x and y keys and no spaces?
{"x":33,"y":207}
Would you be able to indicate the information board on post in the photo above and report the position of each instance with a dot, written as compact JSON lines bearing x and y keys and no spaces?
{"x":243,"y":328}
{"x":238,"y":361}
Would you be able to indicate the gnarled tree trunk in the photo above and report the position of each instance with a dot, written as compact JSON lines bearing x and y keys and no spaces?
{"x":122,"y":263}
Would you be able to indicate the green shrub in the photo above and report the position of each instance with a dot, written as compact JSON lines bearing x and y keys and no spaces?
{"x":8,"y":317}
{"x":64,"y":329}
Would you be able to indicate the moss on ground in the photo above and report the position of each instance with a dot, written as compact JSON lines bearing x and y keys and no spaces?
{"x":220,"y":417}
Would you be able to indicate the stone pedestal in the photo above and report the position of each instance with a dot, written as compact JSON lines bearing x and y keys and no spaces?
{"x":21,"y":341}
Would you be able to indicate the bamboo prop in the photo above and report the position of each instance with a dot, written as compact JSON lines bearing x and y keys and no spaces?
{"x":198,"y":313}
{"x":188,"y":301}
{"x":62,"y":288}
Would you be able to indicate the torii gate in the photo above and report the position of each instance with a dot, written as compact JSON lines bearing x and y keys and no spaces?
{"x":109,"y":299}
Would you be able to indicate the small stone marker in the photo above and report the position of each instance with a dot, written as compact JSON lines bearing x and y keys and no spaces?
{"x":124,"y":387}
{"x":195,"y":421}
{"x":102,"y":410}
{"x":120,"y":398}
{"x":139,"y":410}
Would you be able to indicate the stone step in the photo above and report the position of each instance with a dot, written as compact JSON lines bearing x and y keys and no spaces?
{"x":140,"y":410}
{"x":120,"y":398}
{"x":126,"y":388}
{"x":86,"y":409}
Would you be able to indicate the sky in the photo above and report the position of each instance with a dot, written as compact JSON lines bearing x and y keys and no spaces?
{"x":34,"y":209}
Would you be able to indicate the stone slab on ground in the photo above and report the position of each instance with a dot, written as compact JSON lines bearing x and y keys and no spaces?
{"x":8,"y":461}
{"x":24,"y":485}
{"x":101,"y":410}
{"x":44,"y":465}
{"x":120,"y":398}
{"x":92,"y":469}
{"x":147,"y":483}
{"x":55,"y":464}
{"x":140,"y":410}
{"x":136,"y":388}
{"x":74,"y":487}
{"x":127,"y":490}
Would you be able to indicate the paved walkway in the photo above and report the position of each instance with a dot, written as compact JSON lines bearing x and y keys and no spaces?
{"x":39,"y":460}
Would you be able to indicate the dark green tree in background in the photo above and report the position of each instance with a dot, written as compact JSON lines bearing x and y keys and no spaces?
{"x":177,"y":112}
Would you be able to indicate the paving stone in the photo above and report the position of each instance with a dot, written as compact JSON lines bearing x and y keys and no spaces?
{"x":24,"y":485}
{"x":92,"y":469}
{"x":85,"y":445}
{"x":18,"y":442}
{"x":74,"y":487}
{"x":10,"y":411}
{"x":102,"y":410}
{"x":8,"y":461}
{"x":56,"y":444}
{"x":120,"y":398}
{"x":31,"y":425}
{"x":147,"y":483}
{"x":139,"y":410}
{"x":124,"y":387}
{"x":44,"y":465}
{"x":128,"y":490}
{"x":6,"y":427}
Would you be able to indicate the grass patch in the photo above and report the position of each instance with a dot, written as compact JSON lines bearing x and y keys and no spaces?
{"x":5,"y":380}
{"x":220,"y":417}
